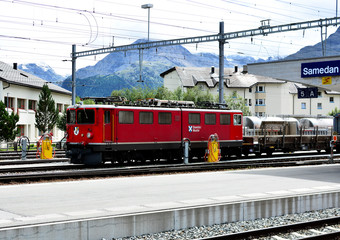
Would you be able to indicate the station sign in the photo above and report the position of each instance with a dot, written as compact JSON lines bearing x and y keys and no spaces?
{"x":307,"y":92}
{"x":320,"y":69}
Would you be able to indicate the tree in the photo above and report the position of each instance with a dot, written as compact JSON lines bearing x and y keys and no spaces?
{"x":46,"y":115}
{"x":334,"y":112}
{"x":236,"y":102}
{"x":61,"y":122}
{"x":8,"y":129}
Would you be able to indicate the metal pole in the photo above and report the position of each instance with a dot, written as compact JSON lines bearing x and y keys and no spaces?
{"x":148,"y":24}
{"x":221,"y":64}
{"x":140,"y":65}
{"x":24,"y":148}
{"x":73,"y":74}
{"x":336,"y":10}
{"x":186,"y":151}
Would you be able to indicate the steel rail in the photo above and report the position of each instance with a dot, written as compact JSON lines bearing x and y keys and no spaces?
{"x":81,"y":171}
{"x":266,"y":232}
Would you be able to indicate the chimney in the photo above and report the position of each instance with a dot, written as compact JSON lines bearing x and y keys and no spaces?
{"x":236,"y":69}
{"x":245,"y":69}
{"x":15,"y":66}
{"x":212,"y":69}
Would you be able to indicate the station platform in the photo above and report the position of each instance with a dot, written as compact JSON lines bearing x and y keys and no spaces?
{"x":127,"y":206}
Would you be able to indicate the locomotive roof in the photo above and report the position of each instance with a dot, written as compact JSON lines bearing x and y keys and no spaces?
{"x":153,"y":108}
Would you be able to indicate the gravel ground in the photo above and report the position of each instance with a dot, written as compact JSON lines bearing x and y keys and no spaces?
{"x":234,"y":227}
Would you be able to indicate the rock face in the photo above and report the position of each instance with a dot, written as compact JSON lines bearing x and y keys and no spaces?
{"x":43,"y":71}
{"x":121,"y":69}
{"x":332,"y":48}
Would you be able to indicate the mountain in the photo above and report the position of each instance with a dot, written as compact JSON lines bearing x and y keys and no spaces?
{"x":43,"y":71}
{"x":120,"y":70}
{"x":332,"y":48}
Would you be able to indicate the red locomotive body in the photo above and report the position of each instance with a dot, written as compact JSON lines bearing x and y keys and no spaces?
{"x":100,"y":133}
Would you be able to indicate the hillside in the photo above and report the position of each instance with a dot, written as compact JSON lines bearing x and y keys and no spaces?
{"x":121,"y":69}
{"x":332,"y":48}
{"x":43,"y":71}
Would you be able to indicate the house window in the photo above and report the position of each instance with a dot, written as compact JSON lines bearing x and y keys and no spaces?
{"x":59,"y":107}
{"x":260,"y":102}
{"x":319,"y":94}
{"x":260,"y":114}
{"x":9,"y":102}
{"x":259,"y":88}
{"x":303,"y":105}
{"x":319,"y":105}
{"x":32,"y":105}
{"x":250,"y":89}
{"x":250,"y":102}
{"x":21,"y":131}
{"x":21,"y":103}
{"x":331,"y":99}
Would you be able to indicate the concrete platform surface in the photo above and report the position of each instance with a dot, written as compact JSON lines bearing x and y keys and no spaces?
{"x":64,"y":201}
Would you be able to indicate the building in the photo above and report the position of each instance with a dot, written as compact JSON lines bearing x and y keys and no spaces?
{"x":20,"y":93}
{"x":265,"y":96}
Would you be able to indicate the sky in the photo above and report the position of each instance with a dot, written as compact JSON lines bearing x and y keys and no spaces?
{"x":42,"y":32}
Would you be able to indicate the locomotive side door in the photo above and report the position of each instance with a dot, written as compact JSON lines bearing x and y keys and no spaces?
{"x":108,"y":124}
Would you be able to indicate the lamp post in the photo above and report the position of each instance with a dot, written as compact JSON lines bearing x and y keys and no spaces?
{"x":148,"y":6}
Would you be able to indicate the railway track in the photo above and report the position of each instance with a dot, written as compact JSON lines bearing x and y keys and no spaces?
{"x":328,"y":228}
{"x":12,"y":155}
{"x":35,"y":172}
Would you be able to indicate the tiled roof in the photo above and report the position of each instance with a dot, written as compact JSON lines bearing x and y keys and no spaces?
{"x":10,"y":75}
{"x":190,"y":76}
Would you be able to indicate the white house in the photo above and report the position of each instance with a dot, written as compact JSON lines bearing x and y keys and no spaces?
{"x":265,"y":96}
{"x":20,"y":91}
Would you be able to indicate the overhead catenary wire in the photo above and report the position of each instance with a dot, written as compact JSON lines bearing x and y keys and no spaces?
{"x":179,"y":19}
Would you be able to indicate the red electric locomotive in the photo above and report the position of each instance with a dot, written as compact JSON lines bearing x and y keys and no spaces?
{"x":118,"y":133}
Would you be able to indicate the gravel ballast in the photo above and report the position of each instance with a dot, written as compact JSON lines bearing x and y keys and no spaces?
{"x":235,"y":227}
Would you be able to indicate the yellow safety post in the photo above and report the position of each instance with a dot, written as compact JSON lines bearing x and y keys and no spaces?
{"x":213,"y":152}
{"x":46,"y":148}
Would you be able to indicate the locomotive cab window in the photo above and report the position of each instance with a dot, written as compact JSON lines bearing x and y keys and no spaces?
{"x":210,"y":118}
{"x":126,"y":117}
{"x":107,"y":117}
{"x":146,"y":117}
{"x":194,"y":118}
{"x":225,"y":119}
{"x":71,"y":117}
{"x":237,"y":119}
{"x":85,"y":116}
{"x":164,"y":118}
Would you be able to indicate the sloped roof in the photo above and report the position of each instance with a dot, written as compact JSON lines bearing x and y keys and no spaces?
{"x":190,"y":76}
{"x":293,"y":88}
{"x":10,"y":75}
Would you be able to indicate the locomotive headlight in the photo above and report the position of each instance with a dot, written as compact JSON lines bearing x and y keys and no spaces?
{"x":89,"y":135}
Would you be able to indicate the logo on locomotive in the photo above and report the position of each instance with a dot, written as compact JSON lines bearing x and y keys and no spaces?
{"x":194,"y":128}
{"x":76,"y":131}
